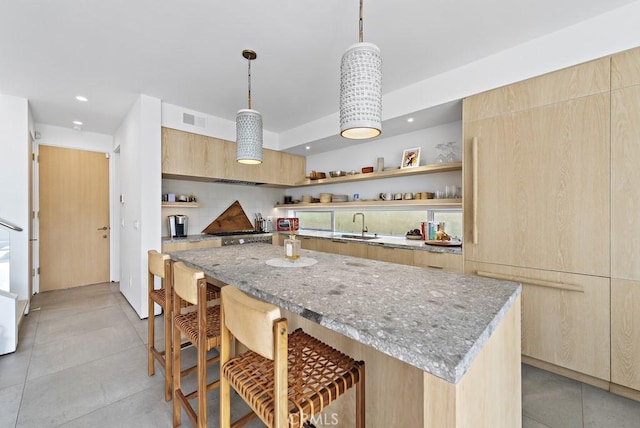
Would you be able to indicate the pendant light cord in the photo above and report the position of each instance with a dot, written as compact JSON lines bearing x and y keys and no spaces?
{"x":360,"y":23}
{"x":249,"y":83}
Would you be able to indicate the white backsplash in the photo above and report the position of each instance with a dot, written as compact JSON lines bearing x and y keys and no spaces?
{"x":214,"y":198}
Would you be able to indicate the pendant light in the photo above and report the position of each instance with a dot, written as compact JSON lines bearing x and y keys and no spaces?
{"x":249,"y":126}
{"x":361,"y":90}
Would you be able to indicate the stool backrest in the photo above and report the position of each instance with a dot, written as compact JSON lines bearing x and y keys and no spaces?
{"x":185,"y":282}
{"x":156,"y":263}
{"x":249,"y":320}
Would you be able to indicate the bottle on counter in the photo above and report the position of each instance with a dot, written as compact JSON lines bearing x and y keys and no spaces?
{"x":291,"y":248}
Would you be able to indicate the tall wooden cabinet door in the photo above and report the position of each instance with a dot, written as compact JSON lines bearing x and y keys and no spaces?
{"x":541,"y":192}
{"x":565,"y":317}
{"x":625,"y":333}
{"x":625,"y":183}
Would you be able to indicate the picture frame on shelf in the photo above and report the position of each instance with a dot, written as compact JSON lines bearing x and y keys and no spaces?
{"x":410,"y":158}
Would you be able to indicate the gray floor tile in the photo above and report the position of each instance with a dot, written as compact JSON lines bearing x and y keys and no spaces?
{"x":68,"y":325}
{"x":605,"y":410}
{"x":14,"y":366}
{"x":527,"y":422}
{"x":550,"y":399}
{"x":50,"y":357}
{"x":141,"y":410}
{"x":10,"y":399}
{"x":68,"y":394}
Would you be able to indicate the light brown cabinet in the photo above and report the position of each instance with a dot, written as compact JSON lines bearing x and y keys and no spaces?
{"x":199,"y":157}
{"x":542,"y":176}
{"x":445,"y":261}
{"x":390,"y":254}
{"x":625,"y":224}
{"x":625,"y":333}
{"x":625,"y":166}
{"x":537,"y":210}
{"x":565,"y":317}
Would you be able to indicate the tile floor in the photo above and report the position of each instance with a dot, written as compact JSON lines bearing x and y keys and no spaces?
{"x":81,"y":362}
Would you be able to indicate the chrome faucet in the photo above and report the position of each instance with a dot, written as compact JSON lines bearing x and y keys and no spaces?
{"x":364,"y":228}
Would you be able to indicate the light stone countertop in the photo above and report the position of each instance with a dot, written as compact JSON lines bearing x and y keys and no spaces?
{"x":436,"y":321}
{"x":386,"y":241}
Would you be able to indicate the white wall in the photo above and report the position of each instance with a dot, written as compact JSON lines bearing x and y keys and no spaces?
{"x":605,"y":34}
{"x":361,"y":155}
{"x":214,"y":198}
{"x":139,"y":142}
{"x":14,"y":185}
{"x":212,"y":126}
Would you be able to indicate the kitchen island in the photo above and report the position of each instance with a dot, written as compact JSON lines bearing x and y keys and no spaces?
{"x":441,"y":349}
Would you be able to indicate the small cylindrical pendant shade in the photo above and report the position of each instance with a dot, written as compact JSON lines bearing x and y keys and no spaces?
{"x":361,"y":92}
{"x":249,"y":136}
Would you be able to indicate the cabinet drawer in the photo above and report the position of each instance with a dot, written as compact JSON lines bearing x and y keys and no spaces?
{"x":445,"y":261}
{"x":625,"y":333}
{"x":565,"y":317}
{"x":390,"y":254}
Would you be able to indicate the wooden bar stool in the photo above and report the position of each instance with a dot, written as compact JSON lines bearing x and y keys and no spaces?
{"x":160,"y":266}
{"x":285,"y":379}
{"x":202,"y":328}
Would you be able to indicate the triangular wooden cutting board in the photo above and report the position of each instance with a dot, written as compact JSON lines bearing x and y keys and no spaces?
{"x":233,"y":219}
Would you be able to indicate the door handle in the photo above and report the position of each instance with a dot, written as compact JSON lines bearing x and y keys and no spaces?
{"x":103,"y":228}
{"x":474,"y":150}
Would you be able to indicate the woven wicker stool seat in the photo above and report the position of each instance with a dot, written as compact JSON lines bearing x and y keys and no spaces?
{"x":188,"y":324}
{"x":202,"y":328}
{"x":286,"y":379}
{"x":159,"y":296}
{"x":318,"y":374}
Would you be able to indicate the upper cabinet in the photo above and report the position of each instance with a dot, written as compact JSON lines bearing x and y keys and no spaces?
{"x":625,"y":159}
{"x":199,"y":157}
{"x":536,"y":172}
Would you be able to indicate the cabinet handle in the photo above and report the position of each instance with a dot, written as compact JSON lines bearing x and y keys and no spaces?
{"x":474,"y":177}
{"x":539,"y":282}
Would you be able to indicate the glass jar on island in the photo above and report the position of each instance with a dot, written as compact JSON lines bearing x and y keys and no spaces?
{"x":291,"y":248}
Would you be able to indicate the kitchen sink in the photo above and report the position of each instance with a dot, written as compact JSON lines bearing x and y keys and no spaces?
{"x":366,"y":237}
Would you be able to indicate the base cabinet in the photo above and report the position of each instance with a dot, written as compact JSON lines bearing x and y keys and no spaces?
{"x":565,"y":317}
{"x":445,"y":261}
{"x":625,"y":333}
{"x":390,"y":254}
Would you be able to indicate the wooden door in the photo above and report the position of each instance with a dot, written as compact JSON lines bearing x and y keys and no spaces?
{"x":542,"y":187}
{"x":74,"y":218}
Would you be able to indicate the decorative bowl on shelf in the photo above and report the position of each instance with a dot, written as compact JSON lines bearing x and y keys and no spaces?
{"x":337,"y":173}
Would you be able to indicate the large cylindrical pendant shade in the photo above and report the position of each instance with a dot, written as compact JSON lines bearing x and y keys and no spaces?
{"x":361,"y":92}
{"x":249,"y":137}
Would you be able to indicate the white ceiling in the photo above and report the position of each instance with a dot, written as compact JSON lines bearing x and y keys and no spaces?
{"x":188,"y":52}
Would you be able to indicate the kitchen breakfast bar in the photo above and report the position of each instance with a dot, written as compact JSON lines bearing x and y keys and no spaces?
{"x":441,"y":349}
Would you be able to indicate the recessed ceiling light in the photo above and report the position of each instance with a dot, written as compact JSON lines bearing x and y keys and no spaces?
{"x":77,"y":122}
{"x":81,"y":98}
{"x":410,"y":120}
{"x":308,"y":147}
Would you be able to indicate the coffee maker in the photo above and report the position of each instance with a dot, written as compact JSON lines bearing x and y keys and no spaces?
{"x":178,"y":226}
